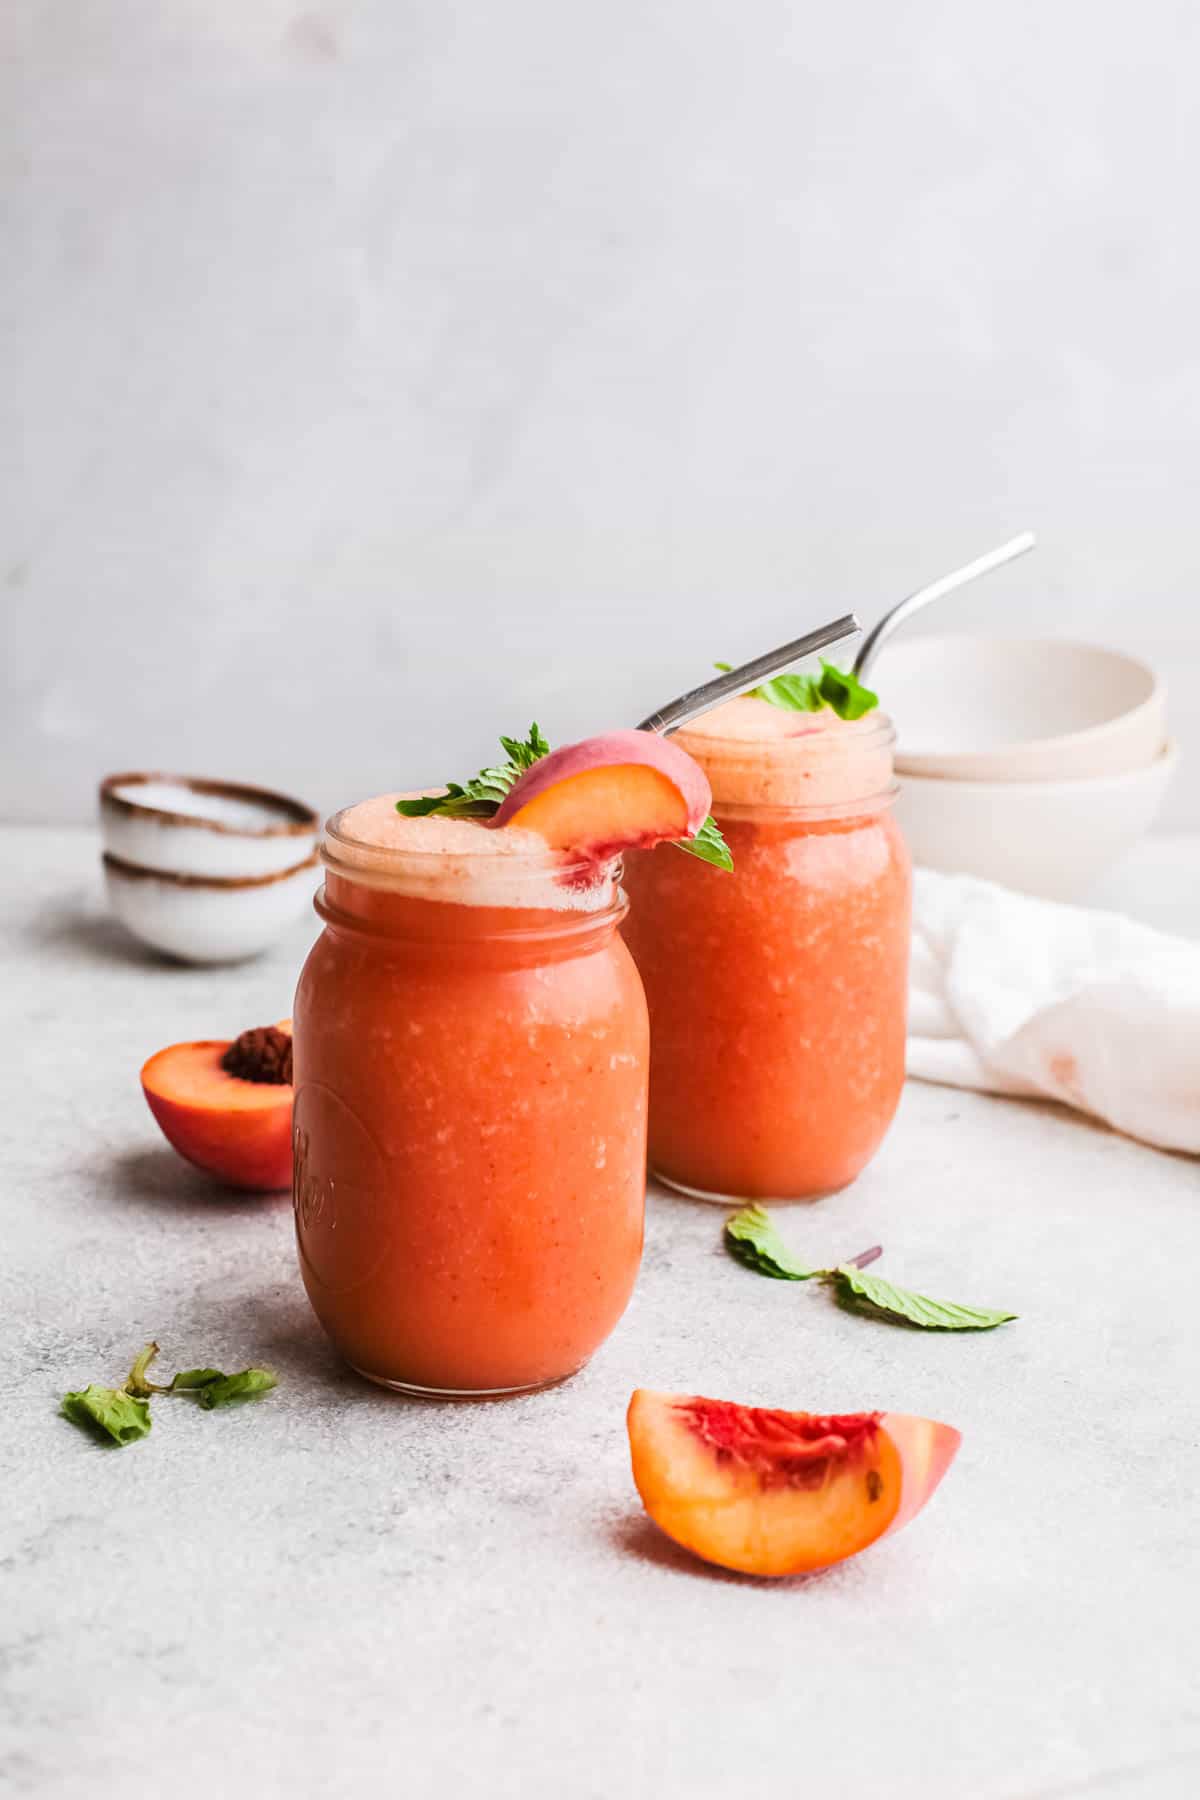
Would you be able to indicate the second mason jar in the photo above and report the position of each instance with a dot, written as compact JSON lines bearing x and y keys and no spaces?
{"x":777,"y":993}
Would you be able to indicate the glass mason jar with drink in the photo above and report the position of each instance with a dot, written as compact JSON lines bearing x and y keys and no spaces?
{"x":778,"y":993}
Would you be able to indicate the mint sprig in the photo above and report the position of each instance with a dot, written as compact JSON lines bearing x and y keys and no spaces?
{"x":483,"y":796}
{"x":486,"y":792}
{"x":751,"y":1238}
{"x":123,"y":1414}
{"x":838,"y":690}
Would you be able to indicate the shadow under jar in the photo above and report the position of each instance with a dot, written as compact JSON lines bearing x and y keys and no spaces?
{"x":777,"y":993}
{"x":471,"y":1063}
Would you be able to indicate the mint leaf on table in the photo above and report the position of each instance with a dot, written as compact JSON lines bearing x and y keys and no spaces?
{"x":123,"y":1414}
{"x":227,"y":1389}
{"x":185,"y":1381}
{"x":751,"y":1237}
{"x":878,"y":1295}
{"x":188,"y":1380}
{"x":109,"y":1412}
{"x":485,"y":793}
{"x":837,"y":689}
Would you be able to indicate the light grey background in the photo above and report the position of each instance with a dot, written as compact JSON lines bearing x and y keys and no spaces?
{"x":384,"y":373}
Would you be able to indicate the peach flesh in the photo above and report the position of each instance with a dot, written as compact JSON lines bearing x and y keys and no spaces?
{"x":239,"y":1131}
{"x":766,"y":1492}
{"x":619,"y":791}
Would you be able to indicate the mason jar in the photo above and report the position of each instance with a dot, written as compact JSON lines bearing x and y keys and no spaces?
{"x":777,"y":993}
{"x":471,"y":1060}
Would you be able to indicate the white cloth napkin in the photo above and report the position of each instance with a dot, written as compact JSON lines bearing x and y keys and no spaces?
{"x":1020,"y":996}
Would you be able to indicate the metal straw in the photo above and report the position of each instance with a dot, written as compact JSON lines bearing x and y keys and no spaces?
{"x":879,"y":633}
{"x":735,"y":681}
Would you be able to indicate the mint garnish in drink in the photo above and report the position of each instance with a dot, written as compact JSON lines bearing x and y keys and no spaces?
{"x":834,"y":689}
{"x":484,"y":794}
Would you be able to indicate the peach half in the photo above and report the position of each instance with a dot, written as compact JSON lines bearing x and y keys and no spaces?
{"x":767,"y":1492}
{"x":624,"y":790}
{"x":226,"y":1106}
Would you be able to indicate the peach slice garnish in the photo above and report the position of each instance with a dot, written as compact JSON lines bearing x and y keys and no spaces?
{"x":767,"y":1492}
{"x":237,"y":1126}
{"x":621,"y":791}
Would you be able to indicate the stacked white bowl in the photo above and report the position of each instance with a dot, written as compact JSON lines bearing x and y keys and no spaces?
{"x":207,"y":871}
{"x":1033,"y":762}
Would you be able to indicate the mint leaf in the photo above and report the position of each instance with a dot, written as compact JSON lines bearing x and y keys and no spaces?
{"x":751,"y":1237}
{"x":188,"y":1380}
{"x":227,"y":1389}
{"x":108,"y":1412}
{"x":794,"y":693}
{"x":915,"y":1309}
{"x":482,"y":796}
{"x":844,"y":692}
{"x":708,"y":844}
{"x":524,"y":753}
{"x":835,"y":688}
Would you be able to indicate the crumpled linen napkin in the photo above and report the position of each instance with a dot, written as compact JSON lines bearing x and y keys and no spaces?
{"x":1019,"y":996}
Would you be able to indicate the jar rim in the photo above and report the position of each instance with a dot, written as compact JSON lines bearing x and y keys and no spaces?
{"x":546,"y":880}
{"x":821,"y":772}
{"x":880,"y":731}
{"x":547,"y":860}
{"x":858,"y":805}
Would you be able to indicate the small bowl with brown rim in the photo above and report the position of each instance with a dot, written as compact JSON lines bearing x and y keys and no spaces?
{"x":207,"y":871}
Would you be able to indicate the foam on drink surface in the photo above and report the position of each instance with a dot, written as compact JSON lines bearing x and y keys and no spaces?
{"x":463,"y":860}
{"x":755,"y":754}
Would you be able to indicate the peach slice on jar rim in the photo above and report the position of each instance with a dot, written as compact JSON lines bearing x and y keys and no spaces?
{"x":623,"y":790}
{"x":768,"y":1492}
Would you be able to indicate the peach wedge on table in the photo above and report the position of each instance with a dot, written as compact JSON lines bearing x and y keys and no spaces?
{"x":767,"y":1492}
{"x":624,"y":790}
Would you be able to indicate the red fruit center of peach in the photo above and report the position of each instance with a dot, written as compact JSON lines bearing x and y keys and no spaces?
{"x":784,"y":1449}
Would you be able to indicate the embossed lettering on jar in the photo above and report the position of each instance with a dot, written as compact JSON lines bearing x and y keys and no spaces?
{"x":777,"y":994}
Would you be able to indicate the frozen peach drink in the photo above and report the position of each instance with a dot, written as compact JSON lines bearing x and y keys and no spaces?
{"x":777,"y":993}
{"x":471,"y":1061}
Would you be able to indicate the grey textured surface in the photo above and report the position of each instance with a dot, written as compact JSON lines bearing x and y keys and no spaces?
{"x":337,"y":1591}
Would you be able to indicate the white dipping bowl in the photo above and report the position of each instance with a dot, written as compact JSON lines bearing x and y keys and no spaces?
{"x":185,"y":825}
{"x":205,"y":918}
{"x":1053,"y":838}
{"x":1020,"y":709}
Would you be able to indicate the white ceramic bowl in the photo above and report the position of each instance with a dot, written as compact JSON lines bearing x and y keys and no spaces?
{"x":205,"y":918}
{"x":1052,"y":838}
{"x":184,"y":825}
{"x":1020,"y":709}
